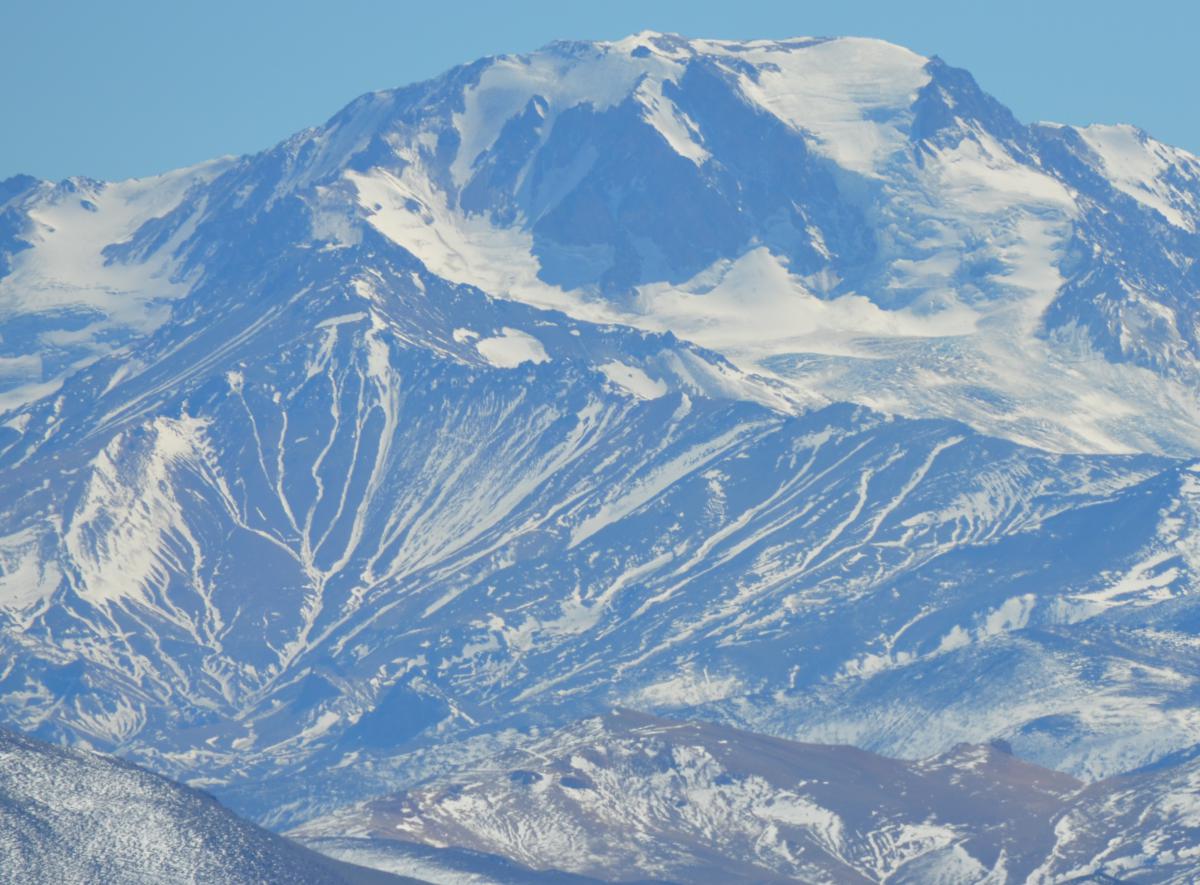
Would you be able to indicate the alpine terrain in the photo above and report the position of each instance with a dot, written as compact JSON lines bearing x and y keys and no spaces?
{"x":666,"y":459}
{"x":70,"y":816}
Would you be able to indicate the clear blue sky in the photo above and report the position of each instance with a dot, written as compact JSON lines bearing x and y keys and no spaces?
{"x":120,"y":88}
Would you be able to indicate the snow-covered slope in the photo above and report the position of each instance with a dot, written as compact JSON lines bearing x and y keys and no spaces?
{"x":63,"y":301}
{"x":443,"y":865}
{"x":303,"y":536}
{"x":844,"y":214}
{"x":587,"y":378}
{"x":1142,"y":827}
{"x":72,"y":816}
{"x":627,"y":796}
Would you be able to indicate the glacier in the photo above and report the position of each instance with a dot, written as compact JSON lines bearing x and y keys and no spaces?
{"x":791,"y":386}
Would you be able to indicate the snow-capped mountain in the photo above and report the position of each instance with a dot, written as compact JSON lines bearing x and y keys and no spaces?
{"x":847,"y":215}
{"x":794,"y":385}
{"x":852,"y":218}
{"x":71,"y":816}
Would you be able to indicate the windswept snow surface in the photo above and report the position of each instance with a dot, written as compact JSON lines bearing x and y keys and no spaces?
{"x":75,"y":816}
{"x":852,"y":94}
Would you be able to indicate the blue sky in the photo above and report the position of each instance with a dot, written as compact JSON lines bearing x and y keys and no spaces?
{"x":130,"y":87}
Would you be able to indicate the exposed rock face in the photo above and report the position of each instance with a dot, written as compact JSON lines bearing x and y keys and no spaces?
{"x":791,"y":385}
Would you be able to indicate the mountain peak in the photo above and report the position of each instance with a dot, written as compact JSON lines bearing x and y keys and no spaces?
{"x":795,"y":385}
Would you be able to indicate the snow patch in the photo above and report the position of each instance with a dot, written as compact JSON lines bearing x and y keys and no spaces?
{"x":689,"y":688}
{"x":511,"y":348}
{"x":342,"y":319}
{"x":26,"y":576}
{"x":633,"y":380}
